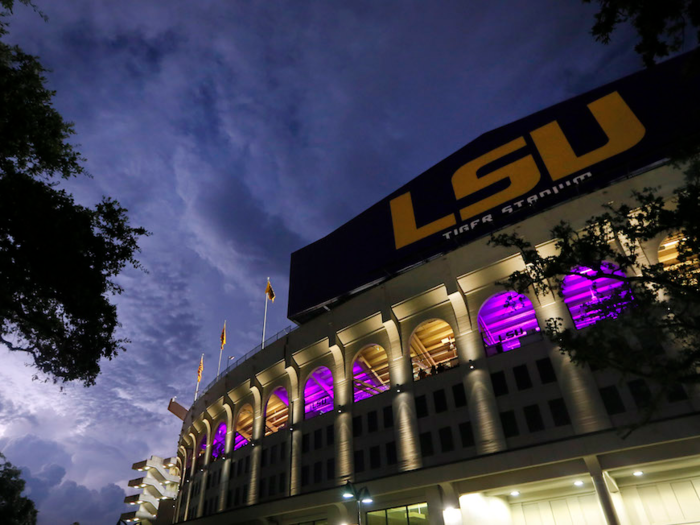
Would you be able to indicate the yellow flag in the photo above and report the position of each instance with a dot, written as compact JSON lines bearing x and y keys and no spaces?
{"x":223,"y":336}
{"x":270,"y":292}
{"x":199,"y":370}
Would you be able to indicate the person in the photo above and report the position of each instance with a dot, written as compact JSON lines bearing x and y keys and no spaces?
{"x":440,"y":368}
{"x":433,"y":370}
{"x":421,"y":373}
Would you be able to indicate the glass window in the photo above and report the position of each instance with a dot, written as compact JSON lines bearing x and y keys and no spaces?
{"x":305,"y":442}
{"x":458,"y":395}
{"x":465,"y":434}
{"x":426,"y":444}
{"x":372,"y":422}
{"x":433,"y":349}
{"x":391,"y":453}
{"x":506,"y":321}
{"x":388,"y":417}
{"x":510,"y":425}
{"x":374,"y":457}
{"x":640,"y":393}
{"x":560,"y":414}
{"x":330,"y":435}
{"x":330,"y":468}
{"x":533,"y":418}
{"x":318,"y":393}
{"x":440,"y":400}
{"x":522,"y":377}
{"x":612,"y":400}
{"x":318,"y":472}
{"x":546,"y":370}
{"x":282,"y":482}
{"x":357,"y":426}
{"x":446,"y":442}
{"x":304,"y":475}
{"x":421,"y":406}
{"x":318,"y":438}
{"x":359,"y":461}
{"x":418,"y":514}
{"x":397,"y":516}
{"x":500,"y":387}
{"x":377,"y":517}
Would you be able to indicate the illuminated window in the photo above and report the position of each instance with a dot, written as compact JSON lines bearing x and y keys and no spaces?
{"x":506,"y":321}
{"x":201,"y":452}
{"x":370,"y":373}
{"x":218,"y":444}
{"x":582,"y":293}
{"x":276,"y":411}
{"x":318,"y":393}
{"x":244,"y":427}
{"x":433,"y":349}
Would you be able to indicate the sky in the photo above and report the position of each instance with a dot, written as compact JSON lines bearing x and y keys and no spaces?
{"x":237,"y":132}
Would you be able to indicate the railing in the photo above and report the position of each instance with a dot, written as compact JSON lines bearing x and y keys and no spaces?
{"x":233,"y":363}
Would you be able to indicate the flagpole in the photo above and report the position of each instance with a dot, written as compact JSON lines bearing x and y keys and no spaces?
{"x":262,"y":345}
{"x":221,"y":351}
{"x":196,"y":392}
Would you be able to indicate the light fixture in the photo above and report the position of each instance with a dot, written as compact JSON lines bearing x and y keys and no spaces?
{"x":515,"y":493}
{"x":638,"y":473}
{"x":348,"y":491}
{"x":471,"y":364}
{"x":449,"y":509}
{"x":367,"y":500}
{"x":578,"y":483}
{"x":398,"y":388}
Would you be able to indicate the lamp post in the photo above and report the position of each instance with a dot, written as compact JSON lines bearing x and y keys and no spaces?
{"x":361,"y":496}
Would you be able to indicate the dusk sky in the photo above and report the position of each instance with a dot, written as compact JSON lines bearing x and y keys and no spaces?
{"x":238,"y":132}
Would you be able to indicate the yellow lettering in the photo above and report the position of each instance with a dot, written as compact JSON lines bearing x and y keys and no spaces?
{"x":405,"y":229}
{"x":621,"y":126}
{"x":522,"y":174}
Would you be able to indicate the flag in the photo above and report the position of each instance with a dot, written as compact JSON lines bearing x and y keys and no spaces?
{"x":223,"y":336}
{"x":270,"y":292}
{"x":199,"y":370}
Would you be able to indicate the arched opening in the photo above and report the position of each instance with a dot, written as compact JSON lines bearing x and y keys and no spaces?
{"x":276,"y":411}
{"x":433,"y":349}
{"x":670,"y":254}
{"x":201,"y":452}
{"x":370,"y":373}
{"x":318,"y":393}
{"x":506,"y":321}
{"x":218,"y":444}
{"x":188,"y":464}
{"x":244,"y":427}
{"x":589,"y":300}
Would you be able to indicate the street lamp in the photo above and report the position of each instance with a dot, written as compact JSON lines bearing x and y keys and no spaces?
{"x":361,"y":496}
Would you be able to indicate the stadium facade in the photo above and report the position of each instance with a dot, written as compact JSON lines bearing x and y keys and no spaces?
{"x":416,"y":390}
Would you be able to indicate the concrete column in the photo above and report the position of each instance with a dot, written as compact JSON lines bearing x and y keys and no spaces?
{"x":255,"y":454}
{"x":483,"y":409}
{"x":223,"y":488}
{"x":294,"y":447}
{"x":601,"y":490}
{"x":342,"y":389}
{"x":577,"y":385}
{"x":405,"y":421}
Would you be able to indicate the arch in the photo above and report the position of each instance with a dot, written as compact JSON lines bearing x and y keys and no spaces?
{"x":188,"y":463}
{"x":432,"y":346}
{"x":244,"y":427}
{"x":218,"y":442}
{"x":318,"y":392}
{"x":370,"y":373}
{"x":505,"y":320}
{"x":590,"y":300}
{"x":276,"y":411}
{"x":201,"y":452}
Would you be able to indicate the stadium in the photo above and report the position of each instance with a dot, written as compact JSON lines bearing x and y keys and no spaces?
{"x":416,"y":390}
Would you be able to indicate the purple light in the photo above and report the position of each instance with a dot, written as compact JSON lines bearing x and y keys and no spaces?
{"x":504,"y":319}
{"x":239,"y":441}
{"x":278,"y":397}
{"x":244,"y":427}
{"x":318,"y":393}
{"x":581,"y":294}
{"x":366,"y":383}
{"x":218,"y":445}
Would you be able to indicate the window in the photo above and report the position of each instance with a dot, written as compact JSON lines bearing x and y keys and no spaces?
{"x":263,"y":458}
{"x":533,"y":418}
{"x":440,"y":400}
{"x":446,"y":441}
{"x":391,"y":453}
{"x":304,"y":475}
{"x":276,"y":411}
{"x":330,"y":469}
{"x":433,"y":349}
{"x":500,"y":387}
{"x":612,"y":400}
{"x":283,"y":452}
{"x":237,"y":497}
{"x":318,"y":472}
{"x":372,"y":423}
{"x":370,"y":373}
{"x":318,"y":438}
{"x":357,"y":426}
{"x":522,"y":377}
{"x":374,"y":458}
{"x":506,"y":321}
{"x":388,"y":417}
{"x":676,"y":393}
{"x":272,"y":484}
{"x":282,"y":482}
{"x":458,"y":395}
{"x":421,"y":406}
{"x":560,"y":414}
{"x":546,"y":370}
{"x":263,"y":485}
{"x":359,"y":461}
{"x":318,"y":393}
{"x":330,"y":435}
{"x":465,"y":434}
{"x":218,"y":445}
{"x":510,"y":425}
{"x":246,"y":466}
{"x":305,"y":442}
{"x":273,"y":454}
{"x":405,"y":515}
{"x":426,"y":444}
{"x":640,"y":393}
{"x":240,"y":468}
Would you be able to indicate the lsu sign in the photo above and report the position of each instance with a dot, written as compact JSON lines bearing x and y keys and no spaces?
{"x":503,"y":177}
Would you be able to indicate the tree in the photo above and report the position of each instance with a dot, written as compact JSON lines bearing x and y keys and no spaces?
{"x":649,"y":325}
{"x":58,"y":259}
{"x":15,"y":509}
{"x":660,"y":25}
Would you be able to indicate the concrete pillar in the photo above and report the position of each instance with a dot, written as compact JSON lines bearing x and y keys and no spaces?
{"x":435,"y":506}
{"x":342,"y":389}
{"x":601,"y":490}
{"x":577,"y":385}
{"x":255,"y":455}
{"x":296,"y":418}
{"x":483,"y":409}
{"x":404,"y":407}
